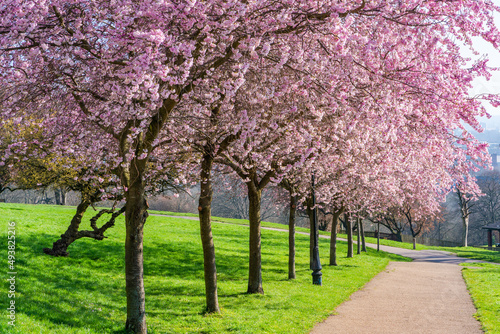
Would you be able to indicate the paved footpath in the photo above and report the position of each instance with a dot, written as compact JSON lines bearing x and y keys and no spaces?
{"x":425,"y":296}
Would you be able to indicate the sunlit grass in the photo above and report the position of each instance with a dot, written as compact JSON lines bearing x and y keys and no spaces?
{"x":85,"y":293}
{"x":483,"y":282}
{"x":467,"y":252}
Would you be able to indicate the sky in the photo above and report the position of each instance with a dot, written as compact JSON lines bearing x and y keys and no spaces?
{"x":492,"y":86}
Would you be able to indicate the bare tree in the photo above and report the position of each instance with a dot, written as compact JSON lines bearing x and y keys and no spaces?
{"x":230,"y":199}
{"x":487,"y":208}
{"x":465,"y":203}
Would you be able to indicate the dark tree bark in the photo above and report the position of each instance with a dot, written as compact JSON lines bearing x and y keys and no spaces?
{"x":73,"y":232}
{"x":291,"y":237}
{"x":255,"y":184}
{"x":63,"y":197}
{"x":390,"y":220}
{"x":310,"y":214}
{"x":255,"y":265}
{"x":60,"y":247}
{"x":358,"y":234}
{"x":135,"y":218}
{"x":350,"y":249}
{"x":57,"y":196}
{"x":398,"y":236}
{"x":362,"y":231}
{"x":60,"y":196}
{"x":205,"y":212}
{"x":416,"y":227}
{"x":333,"y":237}
{"x":378,"y":236}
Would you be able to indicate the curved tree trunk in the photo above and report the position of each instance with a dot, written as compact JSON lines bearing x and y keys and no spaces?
{"x":60,"y":247}
{"x":350,"y":251}
{"x":333,"y":237}
{"x":135,"y":218}
{"x":291,"y":237}
{"x":255,"y":263}
{"x":207,"y":241}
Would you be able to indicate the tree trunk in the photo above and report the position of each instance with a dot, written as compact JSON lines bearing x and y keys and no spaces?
{"x":60,"y":247}
{"x":135,"y":218}
{"x":465,"y":221}
{"x":291,"y":237}
{"x":255,"y":265}
{"x":309,"y":211}
{"x":362,"y":231}
{"x":414,"y":242}
{"x":398,"y":236}
{"x":378,"y":237}
{"x":73,"y":233}
{"x":333,"y":237}
{"x":63,"y":197}
{"x":57,"y":196}
{"x":207,"y":241}
{"x":350,"y":249}
{"x":358,"y":235}
{"x":60,"y":196}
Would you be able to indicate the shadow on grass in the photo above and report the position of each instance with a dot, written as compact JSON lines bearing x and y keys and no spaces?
{"x":87,"y":289}
{"x":484,"y":255}
{"x":64,"y":290}
{"x":18,"y":209}
{"x":390,"y":256}
{"x":233,"y":295}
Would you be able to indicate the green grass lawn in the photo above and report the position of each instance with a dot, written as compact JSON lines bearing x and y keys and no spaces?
{"x":483,"y":281}
{"x":85,"y":293}
{"x":468,"y":252}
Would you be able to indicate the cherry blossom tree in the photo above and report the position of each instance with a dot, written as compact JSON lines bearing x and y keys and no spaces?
{"x":417,"y":223}
{"x":106,"y":76}
{"x":258,"y":160}
{"x":109,"y":74}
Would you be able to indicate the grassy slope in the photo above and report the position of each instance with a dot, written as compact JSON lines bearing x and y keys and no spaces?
{"x":483,"y":281}
{"x":85,"y":293}
{"x":468,"y":252}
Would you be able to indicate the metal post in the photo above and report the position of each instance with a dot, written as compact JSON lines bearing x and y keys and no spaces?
{"x":316,"y":264}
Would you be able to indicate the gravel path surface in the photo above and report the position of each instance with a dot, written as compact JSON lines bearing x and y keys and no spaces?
{"x":425,"y":296}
